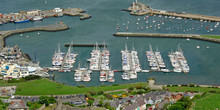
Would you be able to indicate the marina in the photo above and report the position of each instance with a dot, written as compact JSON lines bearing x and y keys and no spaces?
{"x":101,"y":28}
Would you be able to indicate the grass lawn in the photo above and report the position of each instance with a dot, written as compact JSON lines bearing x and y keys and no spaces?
{"x":47,"y":87}
{"x":211,"y":36}
{"x":208,"y":102}
{"x":199,"y":89}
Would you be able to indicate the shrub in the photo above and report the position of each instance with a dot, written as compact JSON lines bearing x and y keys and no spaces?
{"x":169,"y":86}
{"x":100,"y":92}
{"x":91,"y":92}
{"x":138,"y":87}
{"x":115,"y":85}
{"x":174,"y":85}
{"x":184,"y":85}
{"x":131,"y":88}
{"x":100,"y":103}
{"x":212,"y":91}
{"x":108,"y":96}
{"x":81,"y":86}
{"x":191,"y":85}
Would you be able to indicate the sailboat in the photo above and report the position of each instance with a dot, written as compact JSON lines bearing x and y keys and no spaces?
{"x":58,"y":57}
{"x":69,"y":59}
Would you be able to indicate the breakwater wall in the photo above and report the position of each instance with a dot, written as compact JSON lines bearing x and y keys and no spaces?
{"x":85,"y":45}
{"x":143,"y":9}
{"x":52,"y":28}
{"x":158,"y":35}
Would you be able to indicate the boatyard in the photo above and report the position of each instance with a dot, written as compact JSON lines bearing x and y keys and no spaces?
{"x":36,"y":15}
{"x":143,"y":9}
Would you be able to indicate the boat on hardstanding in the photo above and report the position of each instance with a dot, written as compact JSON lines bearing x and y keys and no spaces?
{"x":37,"y":18}
{"x":58,"y":56}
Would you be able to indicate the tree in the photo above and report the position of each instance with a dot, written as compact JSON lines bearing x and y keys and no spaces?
{"x":191,"y":85}
{"x":90,"y":102}
{"x":131,"y":88}
{"x":100,"y":92}
{"x":91,"y":92}
{"x":52,"y":100}
{"x":44,"y":100}
{"x":100,"y":103}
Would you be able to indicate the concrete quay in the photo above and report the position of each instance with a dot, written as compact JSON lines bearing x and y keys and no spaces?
{"x":158,"y":35}
{"x":35,"y":15}
{"x":54,"y":27}
{"x":143,"y":9}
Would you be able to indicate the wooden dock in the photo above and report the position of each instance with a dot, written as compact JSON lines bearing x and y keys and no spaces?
{"x":51,"y":28}
{"x":85,"y":45}
{"x":143,"y":9}
{"x":158,"y":35}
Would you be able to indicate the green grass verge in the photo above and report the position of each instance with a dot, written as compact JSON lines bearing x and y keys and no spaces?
{"x":199,"y":89}
{"x":211,"y":36}
{"x":208,"y":102}
{"x":47,"y":87}
{"x":117,"y":92}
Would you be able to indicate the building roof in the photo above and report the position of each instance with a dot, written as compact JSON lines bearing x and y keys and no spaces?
{"x":160,"y":105}
{"x":17,"y":105}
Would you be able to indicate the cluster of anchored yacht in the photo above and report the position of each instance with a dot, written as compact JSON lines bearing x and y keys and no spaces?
{"x":99,"y":61}
{"x":130,"y":64}
{"x":178,"y":61}
{"x":63,"y":62}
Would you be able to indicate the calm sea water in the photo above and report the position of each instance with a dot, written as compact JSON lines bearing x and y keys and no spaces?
{"x":204,"y":63}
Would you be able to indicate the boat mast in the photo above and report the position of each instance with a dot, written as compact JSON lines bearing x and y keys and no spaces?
{"x":58,"y":48}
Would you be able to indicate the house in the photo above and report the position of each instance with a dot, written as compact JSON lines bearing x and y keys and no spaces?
{"x":189,"y":94}
{"x":176,"y":97}
{"x":161,"y":104}
{"x":18,"y":105}
{"x":137,"y":105}
{"x":154,"y":97}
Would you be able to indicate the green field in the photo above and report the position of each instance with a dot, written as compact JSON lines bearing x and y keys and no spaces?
{"x":47,"y":87}
{"x":199,"y":89}
{"x":208,"y":102}
{"x":211,"y":36}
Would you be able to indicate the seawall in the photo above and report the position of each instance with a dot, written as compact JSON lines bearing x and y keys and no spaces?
{"x":158,"y":35}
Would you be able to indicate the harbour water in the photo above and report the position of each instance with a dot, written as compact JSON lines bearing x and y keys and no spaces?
{"x":204,"y":62}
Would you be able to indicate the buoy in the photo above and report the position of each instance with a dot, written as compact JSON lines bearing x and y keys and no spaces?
{"x":188,"y":39}
{"x":197,"y":47}
{"x":38,"y":33}
{"x":27,"y":36}
{"x":207,"y":47}
{"x":127,"y":37}
{"x":21,"y":35}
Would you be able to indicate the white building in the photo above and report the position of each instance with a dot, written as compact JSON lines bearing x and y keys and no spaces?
{"x":57,"y":10}
{"x":10,"y":70}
